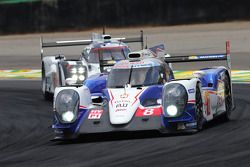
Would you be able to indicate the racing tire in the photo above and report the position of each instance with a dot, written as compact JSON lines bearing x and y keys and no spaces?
{"x":228,"y":99}
{"x":198,"y":109}
{"x":47,"y":95}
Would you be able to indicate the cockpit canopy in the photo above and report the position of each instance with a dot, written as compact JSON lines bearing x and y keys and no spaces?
{"x":107,"y":53}
{"x":138,"y":75}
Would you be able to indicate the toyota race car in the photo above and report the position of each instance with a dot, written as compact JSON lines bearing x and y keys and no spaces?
{"x":100,"y":55}
{"x":142,"y":94}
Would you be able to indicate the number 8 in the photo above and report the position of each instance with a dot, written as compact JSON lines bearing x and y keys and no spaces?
{"x":148,"y":112}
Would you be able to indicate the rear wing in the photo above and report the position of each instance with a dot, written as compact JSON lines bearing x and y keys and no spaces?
{"x":86,"y":42}
{"x":134,"y":39}
{"x":203,"y":57}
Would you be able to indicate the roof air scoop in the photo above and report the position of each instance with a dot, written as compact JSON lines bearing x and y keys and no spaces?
{"x":135,"y":56}
{"x":106,"y":37}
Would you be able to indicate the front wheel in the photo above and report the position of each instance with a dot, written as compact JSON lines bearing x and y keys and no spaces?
{"x":198,"y":109}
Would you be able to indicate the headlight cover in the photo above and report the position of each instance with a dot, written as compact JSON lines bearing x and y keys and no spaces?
{"x":66,"y":105}
{"x":174,"y":99}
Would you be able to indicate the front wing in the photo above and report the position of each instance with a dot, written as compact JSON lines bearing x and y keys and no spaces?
{"x":145,"y":119}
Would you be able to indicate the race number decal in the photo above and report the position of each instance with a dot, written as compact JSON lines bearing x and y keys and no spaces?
{"x":141,"y":112}
{"x":148,"y":112}
{"x":95,"y":114}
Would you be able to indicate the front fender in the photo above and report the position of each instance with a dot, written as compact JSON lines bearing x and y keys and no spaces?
{"x":190,"y":86}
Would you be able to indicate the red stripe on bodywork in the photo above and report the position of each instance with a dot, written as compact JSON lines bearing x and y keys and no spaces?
{"x":112,"y":97}
{"x":82,"y":107}
{"x":191,"y":101}
{"x":136,"y":97}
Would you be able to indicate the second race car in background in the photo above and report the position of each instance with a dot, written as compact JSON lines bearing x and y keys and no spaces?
{"x":142,"y":94}
{"x":99,"y":55}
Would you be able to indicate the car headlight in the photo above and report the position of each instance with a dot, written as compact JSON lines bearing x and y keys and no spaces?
{"x":81,"y":77}
{"x":77,"y":74}
{"x":172,"y":110}
{"x":81,"y":70}
{"x":74,"y":77}
{"x":73,"y":70}
{"x":66,"y":105}
{"x":174,"y":100}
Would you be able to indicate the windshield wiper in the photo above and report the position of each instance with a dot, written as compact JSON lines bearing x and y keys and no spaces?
{"x":130,"y":74}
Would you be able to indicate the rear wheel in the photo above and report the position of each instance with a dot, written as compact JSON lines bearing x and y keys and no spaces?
{"x":228,"y":99}
{"x":198,"y":109}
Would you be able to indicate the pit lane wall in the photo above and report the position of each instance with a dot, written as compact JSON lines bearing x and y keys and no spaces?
{"x":22,"y":16}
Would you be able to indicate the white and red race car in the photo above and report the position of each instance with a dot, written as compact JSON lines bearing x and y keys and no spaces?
{"x":100,"y":54}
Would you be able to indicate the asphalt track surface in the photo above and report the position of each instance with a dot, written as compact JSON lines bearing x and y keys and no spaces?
{"x":25,"y":137}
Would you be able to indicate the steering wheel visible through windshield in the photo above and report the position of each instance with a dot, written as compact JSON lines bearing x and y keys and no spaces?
{"x":145,"y":76}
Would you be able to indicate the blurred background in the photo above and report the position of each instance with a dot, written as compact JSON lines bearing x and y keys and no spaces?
{"x":25,"y":16}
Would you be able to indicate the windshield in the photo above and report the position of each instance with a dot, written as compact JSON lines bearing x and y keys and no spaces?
{"x":112,"y":53}
{"x":145,"y":76}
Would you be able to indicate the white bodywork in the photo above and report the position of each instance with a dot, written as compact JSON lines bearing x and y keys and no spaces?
{"x":53,"y":73}
{"x":123,"y":104}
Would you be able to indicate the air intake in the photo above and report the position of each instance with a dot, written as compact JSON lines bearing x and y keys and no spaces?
{"x":135,"y":56}
{"x":106,"y":37}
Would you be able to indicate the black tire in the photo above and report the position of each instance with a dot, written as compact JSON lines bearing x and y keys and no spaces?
{"x":199,"y":109}
{"x":46,"y":95}
{"x":228,"y":98}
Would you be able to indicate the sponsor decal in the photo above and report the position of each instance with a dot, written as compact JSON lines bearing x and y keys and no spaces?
{"x":95,"y":114}
{"x":190,"y":91}
{"x":124,"y":95}
{"x":191,"y":124}
{"x":120,"y":109}
{"x":111,"y":62}
{"x":192,"y":57}
{"x":207,"y":101}
{"x":210,"y":56}
{"x":121,"y":105}
{"x":220,"y":92}
{"x":122,"y":101}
